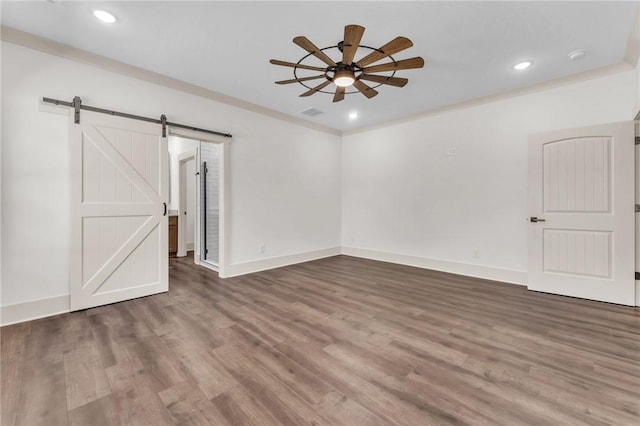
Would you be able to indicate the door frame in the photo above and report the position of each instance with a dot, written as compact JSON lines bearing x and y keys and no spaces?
{"x":182,"y":201}
{"x":620,"y":209}
{"x":636,"y":126}
{"x":225,"y":198}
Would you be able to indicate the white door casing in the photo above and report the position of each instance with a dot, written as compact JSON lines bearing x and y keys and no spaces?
{"x":637,"y":232}
{"x":581,"y":184}
{"x":119,"y":233}
{"x":225,"y":197}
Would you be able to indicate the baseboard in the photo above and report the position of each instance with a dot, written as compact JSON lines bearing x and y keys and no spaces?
{"x":637,"y":293}
{"x":277,"y":262}
{"x":477,"y":271}
{"x":191,"y":246}
{"x":28,"y":311}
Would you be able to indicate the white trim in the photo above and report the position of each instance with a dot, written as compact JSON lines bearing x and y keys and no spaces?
{"x":280,"y":261}
{"x":483,"y":100}
{"x":206,"y":264}
{"x":197,"y":136}
{"x":191,"y":246}
{"x":27,"y":311}
{"x":31,"y":41}
{"x":224,"y":224}
{"x":632,"y":52}
{"x":470,"y":270}
{"x":224,"y":227}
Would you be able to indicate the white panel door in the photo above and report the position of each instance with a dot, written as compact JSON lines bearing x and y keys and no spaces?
{"x":119,"y":181}
{"x":581,"y":203}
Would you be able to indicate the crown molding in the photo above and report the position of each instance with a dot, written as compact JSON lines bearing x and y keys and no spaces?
{"x":12,"y":35}
{"x":539,"y":87}
{"x":632,"y":52}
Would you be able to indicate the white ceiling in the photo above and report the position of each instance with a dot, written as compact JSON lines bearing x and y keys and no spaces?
{"x":468,"y":47}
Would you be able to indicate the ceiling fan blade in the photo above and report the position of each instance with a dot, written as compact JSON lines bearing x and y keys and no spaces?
{"x":313,"y":49}
{"x":364,"y":89}
{"x":405,"y":64}
{"x":315,"y":89}
{"x":298,"y":80}
{"x":391,"y":81}
{"x":396,"y":45}
{"x":339,"y":94}
{"x":352,"y":37}
{"x":291,"y":64}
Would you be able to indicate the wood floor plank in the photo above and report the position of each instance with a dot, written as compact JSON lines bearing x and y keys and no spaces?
{"x":12,"y":370}
{"x":135,"y":393}
{"x":282,"y":402}
{"x":100,"y":412}
{"x":42,"y":395}
{"x":212,"y":377}
{"x":13,"y":340}
{"x":189,"y":406}
{"x":337,"y":341}
{"x":241,"y":408}
{"x":344,"y":411}
{"x":301,"y":381}
{"x":42,"y":398}
{"x":85,"y":375}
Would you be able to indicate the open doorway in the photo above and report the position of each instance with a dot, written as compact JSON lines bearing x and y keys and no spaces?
{"x":183,"y":153}
{"x":187,"y":212}
{"x":197,"y":199}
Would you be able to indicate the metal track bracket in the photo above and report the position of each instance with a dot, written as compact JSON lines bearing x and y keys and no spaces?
{"x":77,"y":104}
{"x":163,"y":121}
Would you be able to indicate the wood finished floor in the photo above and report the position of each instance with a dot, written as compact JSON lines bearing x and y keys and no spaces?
{"x":338,"y":341}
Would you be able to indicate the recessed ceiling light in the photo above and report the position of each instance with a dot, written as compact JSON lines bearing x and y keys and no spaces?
{"x":104,"y":16}
{"x":577,"y":54}
{"x":522,"y":65}
{"x":353,"y":115}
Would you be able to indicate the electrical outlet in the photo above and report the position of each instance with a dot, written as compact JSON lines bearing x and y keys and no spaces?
{"x":476,"y":253}
{"x":262,"y":248}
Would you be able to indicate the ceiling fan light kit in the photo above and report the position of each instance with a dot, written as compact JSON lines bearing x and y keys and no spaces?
{"x":344,"y":78}
{"x":347,"y":72}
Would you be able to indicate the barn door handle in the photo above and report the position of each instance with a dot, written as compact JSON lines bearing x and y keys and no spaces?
{"x":535,"y":219}
{"x":165,"y":209}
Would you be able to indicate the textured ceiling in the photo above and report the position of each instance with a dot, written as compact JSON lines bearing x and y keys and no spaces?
{"x":468,"y":47}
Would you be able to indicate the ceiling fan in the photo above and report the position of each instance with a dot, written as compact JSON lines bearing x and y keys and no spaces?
{"x":347,"y":72}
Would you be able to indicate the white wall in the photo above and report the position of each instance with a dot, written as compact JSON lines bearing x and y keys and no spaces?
{"x":285,"y":179}
{"x":403,"y":194}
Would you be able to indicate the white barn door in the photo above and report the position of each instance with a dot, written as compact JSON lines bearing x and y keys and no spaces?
{"x":119,"y":181}
{"x":581,"y":203}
